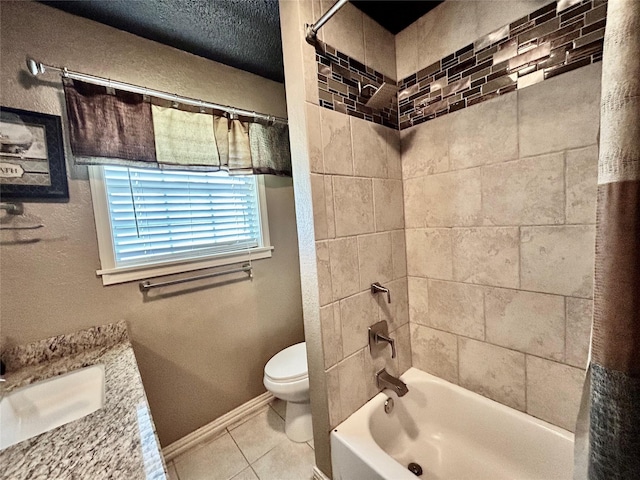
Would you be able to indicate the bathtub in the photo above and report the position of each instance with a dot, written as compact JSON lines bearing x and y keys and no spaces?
{"x":452,"y":433}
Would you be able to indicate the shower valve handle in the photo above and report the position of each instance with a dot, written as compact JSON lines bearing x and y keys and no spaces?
{"x":377,"y":288}
{"x":378,"y":336}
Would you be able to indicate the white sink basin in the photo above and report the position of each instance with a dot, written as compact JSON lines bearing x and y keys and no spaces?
{"x":43,"y":406}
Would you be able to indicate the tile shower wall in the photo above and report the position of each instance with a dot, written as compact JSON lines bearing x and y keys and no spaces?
{"x":356,"y":182}
{"x":359,"y":225}
{"x":554,"y":39}
{"x":360,"y":187}
{"x":500,"y":213}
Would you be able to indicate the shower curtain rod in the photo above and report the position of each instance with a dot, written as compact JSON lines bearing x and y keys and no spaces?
{"x":37,"y":68}
{"x":312,"y":30}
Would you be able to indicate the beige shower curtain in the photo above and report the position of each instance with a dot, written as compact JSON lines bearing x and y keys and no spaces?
{"x":608,"y":430}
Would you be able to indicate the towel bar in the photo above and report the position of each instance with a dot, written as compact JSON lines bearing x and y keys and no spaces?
{"x":146,"y":285}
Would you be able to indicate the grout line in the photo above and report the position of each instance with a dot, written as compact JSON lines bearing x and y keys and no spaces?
{"x":453,"y":269}
{"x":333,"y":206}
{"x":352,"y":153}
{"x":495,"y":164}
{"x":253,"y":470}
{"x":321,"y":146}
{"x":462,"y":336}
{"x":357,"y":238}
{"x":564,"y":178}
{"x":458,"y":359}
{"x":238,"y":447}
{"x":564,"y":357}
{"x":526,"y":384}
{"x":512,"y":226}
{"x":484,"y":314}
{"x":373,"y":204}
{"x":519,"y":258}
{"x":518,"y":93}
{"x":175,"y":471}
{"x":276,"y":412}
{"x":501,"y":287}
{"x":267,"y":452}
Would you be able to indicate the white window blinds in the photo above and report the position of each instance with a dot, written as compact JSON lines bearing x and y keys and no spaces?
{"x":163,"y":215}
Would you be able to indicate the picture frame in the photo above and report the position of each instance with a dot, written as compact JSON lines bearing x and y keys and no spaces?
{"x":32,"y":160}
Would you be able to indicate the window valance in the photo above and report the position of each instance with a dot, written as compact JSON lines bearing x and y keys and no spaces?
{"x":116,"y":127}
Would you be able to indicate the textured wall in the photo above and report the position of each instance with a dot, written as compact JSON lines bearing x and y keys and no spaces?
{"x":500,"y":214}
{"x":201,"y":353}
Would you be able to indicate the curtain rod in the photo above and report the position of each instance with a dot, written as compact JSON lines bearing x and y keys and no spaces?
{"x":37,"y":68}
{"x":312,"y":30}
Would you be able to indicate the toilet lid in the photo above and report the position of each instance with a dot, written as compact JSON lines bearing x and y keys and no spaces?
{"x":288,"y":365}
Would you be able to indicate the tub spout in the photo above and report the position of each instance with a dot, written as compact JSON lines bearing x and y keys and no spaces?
{"x":386,"y":380}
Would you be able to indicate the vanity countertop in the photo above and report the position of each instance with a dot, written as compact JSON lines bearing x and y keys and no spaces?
{"x":116,"y":442}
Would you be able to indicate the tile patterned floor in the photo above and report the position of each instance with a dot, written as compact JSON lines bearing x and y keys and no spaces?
{"x":255,"y":449}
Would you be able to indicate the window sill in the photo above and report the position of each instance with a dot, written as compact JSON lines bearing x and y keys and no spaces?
{"x":129,"y":274}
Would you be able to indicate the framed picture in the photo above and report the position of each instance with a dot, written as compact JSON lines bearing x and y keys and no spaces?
{"x":32,"y":164}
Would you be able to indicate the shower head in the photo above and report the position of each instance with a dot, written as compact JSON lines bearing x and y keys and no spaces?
{"x":381,"y":98}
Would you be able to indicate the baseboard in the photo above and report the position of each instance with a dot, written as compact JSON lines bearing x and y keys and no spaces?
{"x":318,"y":475}
{"x":215,"y":428}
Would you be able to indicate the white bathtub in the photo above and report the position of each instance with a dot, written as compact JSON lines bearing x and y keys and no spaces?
{"x":454,"y":434}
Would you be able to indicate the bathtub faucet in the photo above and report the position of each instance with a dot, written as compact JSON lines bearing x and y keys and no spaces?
{"x":386,"y":380}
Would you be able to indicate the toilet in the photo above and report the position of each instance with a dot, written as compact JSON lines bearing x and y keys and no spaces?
{"x":287,"y":378}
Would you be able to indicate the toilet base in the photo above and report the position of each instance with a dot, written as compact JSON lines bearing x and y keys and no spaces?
{"x":298,"y":426}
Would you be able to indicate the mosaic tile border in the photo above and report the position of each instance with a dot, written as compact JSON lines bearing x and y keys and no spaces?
{"x":555,"y":39}
{"x":338,"y":79}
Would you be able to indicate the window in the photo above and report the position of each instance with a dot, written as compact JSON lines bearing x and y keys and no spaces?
{"x":160,"y":222}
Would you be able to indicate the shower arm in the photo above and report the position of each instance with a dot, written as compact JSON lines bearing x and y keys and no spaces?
{"x":361,"y":87}
{"x":312,"y":30}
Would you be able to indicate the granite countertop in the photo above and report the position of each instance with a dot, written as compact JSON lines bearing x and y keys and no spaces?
{"x":117,"y":441}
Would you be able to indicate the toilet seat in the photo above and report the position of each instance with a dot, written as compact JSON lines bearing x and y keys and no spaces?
{"x":289,"y":365}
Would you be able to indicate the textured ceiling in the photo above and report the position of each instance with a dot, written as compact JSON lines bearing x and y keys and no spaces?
{"x":241,"y":33}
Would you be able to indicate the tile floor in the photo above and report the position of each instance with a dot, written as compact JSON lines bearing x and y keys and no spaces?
{"x":254,"y":449}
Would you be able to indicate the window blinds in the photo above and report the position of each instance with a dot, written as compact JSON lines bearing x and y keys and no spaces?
{"x":160,"y":215}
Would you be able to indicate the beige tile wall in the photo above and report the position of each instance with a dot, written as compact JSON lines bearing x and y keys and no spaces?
{"x":500,"y":212}
{"x":356,"y":200}
{"x":358,"y":208}
{"x":359,"y":225}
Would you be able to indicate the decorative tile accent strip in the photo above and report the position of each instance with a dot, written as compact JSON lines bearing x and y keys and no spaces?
{"x":340,"y":83}
{"x":559,"y":37}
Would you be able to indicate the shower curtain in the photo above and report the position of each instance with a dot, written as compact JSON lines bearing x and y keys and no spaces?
{"x":608,"y":429}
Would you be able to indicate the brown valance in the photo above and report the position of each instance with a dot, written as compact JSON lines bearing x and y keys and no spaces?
{"x":115,"y":127}
{"x":101,"y":124}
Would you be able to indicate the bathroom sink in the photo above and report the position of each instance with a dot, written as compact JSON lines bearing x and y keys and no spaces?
{"x":43,"y":406}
